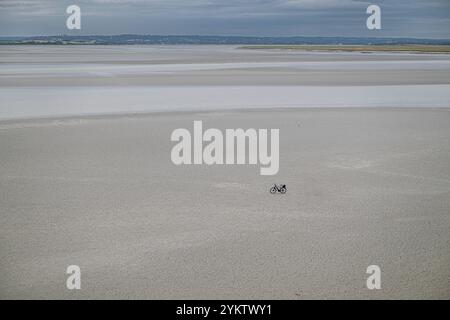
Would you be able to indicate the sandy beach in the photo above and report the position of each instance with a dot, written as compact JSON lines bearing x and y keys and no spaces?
{"x":86,"y":177}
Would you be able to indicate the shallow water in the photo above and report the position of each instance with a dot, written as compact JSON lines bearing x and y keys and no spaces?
{"x":55,"y":81}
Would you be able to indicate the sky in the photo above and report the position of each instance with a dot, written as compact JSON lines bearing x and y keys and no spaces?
{"x":399,"y":18}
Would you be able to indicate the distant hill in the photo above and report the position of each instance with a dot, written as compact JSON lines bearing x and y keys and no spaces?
{"x":231,"y":40}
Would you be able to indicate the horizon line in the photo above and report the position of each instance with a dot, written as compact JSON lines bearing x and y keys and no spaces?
{"x":221,"y":36}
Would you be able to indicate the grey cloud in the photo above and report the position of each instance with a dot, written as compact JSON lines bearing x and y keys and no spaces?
{"x":412,"y":18}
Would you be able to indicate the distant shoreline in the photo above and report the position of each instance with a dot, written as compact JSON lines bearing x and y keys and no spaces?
{"x":130,"y":39}
{"x":355,"y":48}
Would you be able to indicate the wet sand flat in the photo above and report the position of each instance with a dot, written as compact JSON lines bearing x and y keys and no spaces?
{"x":60,"y":81}
{"x":365,"y":186}
{"x":122,"y":66}
{"x":86,"y":177}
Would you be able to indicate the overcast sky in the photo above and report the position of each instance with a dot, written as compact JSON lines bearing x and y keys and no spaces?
{"x":400,"y":18}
